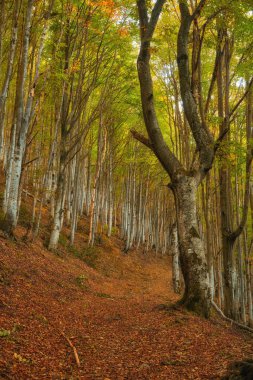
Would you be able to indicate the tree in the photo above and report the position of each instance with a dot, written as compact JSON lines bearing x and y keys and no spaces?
{"x":184,"y":184}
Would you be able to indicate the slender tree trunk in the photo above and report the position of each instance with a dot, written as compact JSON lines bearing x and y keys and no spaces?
{"x":225,"y":185}
{"x":175,"y":260}
{"x":58,"y":212}
{"x":7,"y":79}
{"x":20,"y":128}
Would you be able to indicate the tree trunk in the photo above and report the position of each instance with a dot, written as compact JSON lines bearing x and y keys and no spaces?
{"x":197,"y":295}
{"x":11,"y":215}
{"x":175,"y":260}
{"x":58,"y":212}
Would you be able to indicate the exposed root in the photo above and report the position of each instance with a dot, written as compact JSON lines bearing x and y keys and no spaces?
{"x":220,"y":312}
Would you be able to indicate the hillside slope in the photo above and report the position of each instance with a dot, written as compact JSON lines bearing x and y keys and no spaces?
{"x":55,"y":311}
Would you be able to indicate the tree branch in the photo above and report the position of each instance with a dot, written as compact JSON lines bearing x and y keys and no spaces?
{"x":141,"y":138}
{"x":159,"y":146}
{"x":241,"y":99}
{"x":218,"y":57}
{"x":225,"y":131}
{"x":29,"y":162}
{"x":201,"y":134}
{"x":154,"y":18}
{"x":198,"y":9}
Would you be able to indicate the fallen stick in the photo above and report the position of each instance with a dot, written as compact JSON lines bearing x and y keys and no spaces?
{"x":220,"y":312}
{"x":73,"y":348}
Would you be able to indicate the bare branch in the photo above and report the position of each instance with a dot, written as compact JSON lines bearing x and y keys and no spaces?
{"x":228,"y":122}
{"x":198,"y":9}
{"x":141,"y":138}
{"x":222,"y":135}
{"x":29,"y":162}
{"x":241,"y":99}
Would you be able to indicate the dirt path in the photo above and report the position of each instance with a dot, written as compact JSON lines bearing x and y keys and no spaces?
{"x":115,"y":320}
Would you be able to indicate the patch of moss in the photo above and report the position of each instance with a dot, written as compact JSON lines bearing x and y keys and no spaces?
{"x":63,"y":241}
{"x":81,"y":281}
{"x":89,"y":255}
{"x":4,"y":333}
{"x":24,"y":219}
{"x":103,"y":295}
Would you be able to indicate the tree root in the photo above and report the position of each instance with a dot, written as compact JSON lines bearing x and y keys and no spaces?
{"x":220,"y":312}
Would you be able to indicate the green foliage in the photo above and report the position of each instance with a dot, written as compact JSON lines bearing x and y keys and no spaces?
{"x":89,"y":255}
{"x":24,"y":216}
{"x":103,"y":295}
{"x":115,"y":231}
{"x":63,"y":241}
{"x":4,"y":333}
{"x":81,"y":281}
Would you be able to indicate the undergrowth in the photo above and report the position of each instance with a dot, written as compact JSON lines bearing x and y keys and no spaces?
{"x":89,"y":255}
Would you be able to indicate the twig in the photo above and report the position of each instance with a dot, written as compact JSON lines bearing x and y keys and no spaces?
{"x":73,"y":348}
{"x":220,"y":312}
{"x":29,"y":162}
{"x":241,"y":99}
{"x":30,"y":195}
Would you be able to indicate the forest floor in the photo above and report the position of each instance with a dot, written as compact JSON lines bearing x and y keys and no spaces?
{"x":55,"y":310}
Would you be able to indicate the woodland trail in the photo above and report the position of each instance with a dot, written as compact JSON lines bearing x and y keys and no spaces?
{"x":114,"y":317}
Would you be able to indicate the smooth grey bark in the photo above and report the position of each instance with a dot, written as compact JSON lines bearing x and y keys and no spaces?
{"x":20,"y":129}
{"x":197,"y":294}
{"x":58,"y":211}
{"x":175,"y":259}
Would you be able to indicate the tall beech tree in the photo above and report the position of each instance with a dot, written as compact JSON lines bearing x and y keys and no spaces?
{"x":184,"y":183}
{"x":21,"y":116}
{"x":230,"y":232}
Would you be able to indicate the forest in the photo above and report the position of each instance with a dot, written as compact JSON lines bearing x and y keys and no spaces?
{"x":126,"y":148}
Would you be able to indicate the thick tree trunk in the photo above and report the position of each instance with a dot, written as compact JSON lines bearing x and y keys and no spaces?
{"x":197,"y":295}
